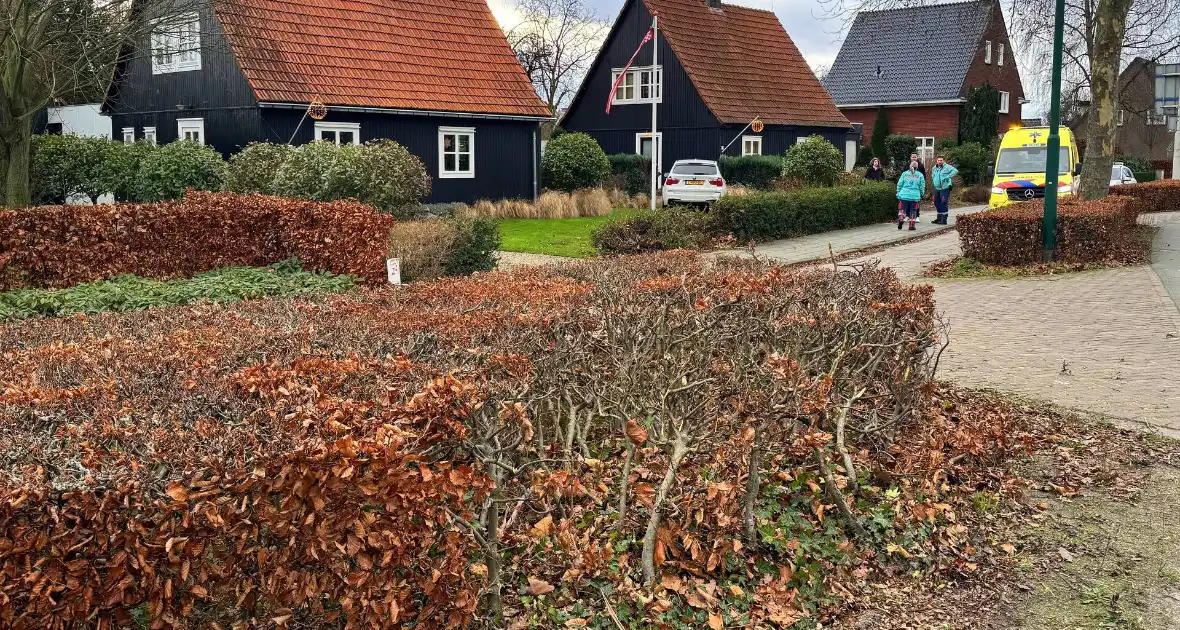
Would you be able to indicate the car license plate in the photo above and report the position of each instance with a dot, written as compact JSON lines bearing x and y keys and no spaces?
{"x":695,"y":182}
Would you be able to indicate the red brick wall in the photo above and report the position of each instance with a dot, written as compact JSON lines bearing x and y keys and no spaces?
{"x":940,"y":121}
{"x":1005,"y":78}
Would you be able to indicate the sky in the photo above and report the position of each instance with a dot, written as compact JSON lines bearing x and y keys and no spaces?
{"x":818,"y":39}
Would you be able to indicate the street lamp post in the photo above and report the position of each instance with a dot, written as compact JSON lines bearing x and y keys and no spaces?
{"x":1053,"y":159}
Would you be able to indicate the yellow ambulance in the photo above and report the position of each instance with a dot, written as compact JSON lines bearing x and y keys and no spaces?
{"x":1018,"y":173}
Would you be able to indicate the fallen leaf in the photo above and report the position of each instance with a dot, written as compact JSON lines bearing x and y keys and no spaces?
{"x":736,"y":590}
{"x":544,"y":527}
{"x":715,"y":621}
{"x":538,"y":587}
{"x":177,"y":492}
{"x":636,"y":433}
{"x":479,"y":569}
{"x":1009,"y":548}
{"x":645,"y":494}
{"x":1065,"y":554}
{"x":576,"y":623}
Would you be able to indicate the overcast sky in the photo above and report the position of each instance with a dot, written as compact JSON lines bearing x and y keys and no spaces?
{"x":818,"y":39}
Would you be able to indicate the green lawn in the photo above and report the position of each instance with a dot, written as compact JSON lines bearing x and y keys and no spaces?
{"x":556,"y":237}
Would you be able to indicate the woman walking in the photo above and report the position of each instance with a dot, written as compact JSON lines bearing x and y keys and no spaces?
{"x":875,"y":172}
{"x":910,"y":188}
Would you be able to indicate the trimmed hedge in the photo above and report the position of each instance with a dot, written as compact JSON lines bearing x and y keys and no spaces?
{"x":630,"y":172}
{"x":656,"y":230}
{"x":61,"y":246}
{"x":766,"y":216}
{"x":1087,"y":231}
{"x":167,"y":172}
{"x":752,"y":171}
{"x":1157,"y":196}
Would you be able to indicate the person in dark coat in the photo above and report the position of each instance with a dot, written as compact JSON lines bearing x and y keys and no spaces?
{"x":876,"y":172}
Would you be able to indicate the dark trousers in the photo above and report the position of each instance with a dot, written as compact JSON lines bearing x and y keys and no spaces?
{"x":909,"y":209}
{"x":942,"y":201}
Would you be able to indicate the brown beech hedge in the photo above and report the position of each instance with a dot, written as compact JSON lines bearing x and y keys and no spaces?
{"x":1159,"y":196}
{"x":60,"y":246}
{"x":1087,"y":231}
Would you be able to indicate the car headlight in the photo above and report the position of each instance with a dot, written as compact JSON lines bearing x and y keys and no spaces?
{"x":1065,"y":188}
{"x":996,"y":190}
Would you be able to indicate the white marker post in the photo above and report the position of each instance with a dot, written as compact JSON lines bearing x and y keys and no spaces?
{"x":393,"y":267}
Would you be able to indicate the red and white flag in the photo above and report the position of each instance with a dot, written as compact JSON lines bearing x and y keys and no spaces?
{"x":622,"y":75}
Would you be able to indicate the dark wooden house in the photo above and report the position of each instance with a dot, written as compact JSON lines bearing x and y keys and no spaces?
{"x":720,"y":67}
{"x":437,"y":77}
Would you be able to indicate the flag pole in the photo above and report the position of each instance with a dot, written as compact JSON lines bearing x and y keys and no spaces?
{"x":657,"y":83}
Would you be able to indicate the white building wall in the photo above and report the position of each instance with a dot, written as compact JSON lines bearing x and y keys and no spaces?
{"x":81,"y":120}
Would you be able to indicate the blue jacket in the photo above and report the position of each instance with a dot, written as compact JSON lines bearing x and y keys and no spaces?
{"x":911,"y":186}
{"x":943,"y":178}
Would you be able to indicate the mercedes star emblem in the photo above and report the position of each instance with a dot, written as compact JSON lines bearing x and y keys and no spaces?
{"x":1030,"y":193}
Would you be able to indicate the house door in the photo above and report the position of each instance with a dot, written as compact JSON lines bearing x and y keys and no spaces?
{"x":646,"y":146}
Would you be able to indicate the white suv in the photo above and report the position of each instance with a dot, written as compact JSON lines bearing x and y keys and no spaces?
{"x":693,"y":182}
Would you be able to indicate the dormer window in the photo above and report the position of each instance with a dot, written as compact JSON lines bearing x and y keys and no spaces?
{"x":639,"y":85}
{"x":176,"y":44}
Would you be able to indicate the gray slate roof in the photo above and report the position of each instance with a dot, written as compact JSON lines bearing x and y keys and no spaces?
{"x":923,"y":54}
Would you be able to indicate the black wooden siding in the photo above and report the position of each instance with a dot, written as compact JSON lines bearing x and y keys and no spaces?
{"x":689,"y":129}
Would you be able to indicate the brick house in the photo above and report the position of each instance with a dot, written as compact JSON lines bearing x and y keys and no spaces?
{"x":1141,"y":131}
{"x":889,"y":60}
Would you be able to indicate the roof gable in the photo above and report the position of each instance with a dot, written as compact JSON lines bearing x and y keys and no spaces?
{"x":744,"y":65}
{"x":441,"y":55}
{"x":923,"y":54}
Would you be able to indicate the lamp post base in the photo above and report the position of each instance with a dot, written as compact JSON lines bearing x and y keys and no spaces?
{"x":1046,"y":255}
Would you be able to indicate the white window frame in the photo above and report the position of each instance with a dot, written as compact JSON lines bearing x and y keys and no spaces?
{"x":641,"y":136}
{"x":633,"y":87}
{"x":443,"y":132}
{"x":925,"y":150}
{"x":749,"y":143}
{"x":149,"y":135}
{"x":1005,"y":102}
{"x":801,"y":139}
{"x":335,"y":128}
{"x":188,"y":125}
{"x":1156,"y":120}
{"x":176,"y":44}
{"x":1000,"y":54}
{"x":1122,"y":116}
{"x":128,"y":135}
{"x":987,"y":51}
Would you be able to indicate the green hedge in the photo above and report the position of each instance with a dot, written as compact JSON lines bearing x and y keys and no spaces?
{"x":130,"y":293}
{"x":630,"y":172}
{"x":656,"y":230}
{"x":476,"y":242}
{"x":774,"y":215}
{"x":752,"y":171}
{"x":1144,"y":176}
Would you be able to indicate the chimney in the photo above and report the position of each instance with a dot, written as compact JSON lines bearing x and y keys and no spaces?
{"x":713,"y":4}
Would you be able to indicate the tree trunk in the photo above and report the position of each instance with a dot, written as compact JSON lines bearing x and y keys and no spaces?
{"x":17,"y":137}
{"x":625,"y":484}
{"x":679,"y":450}
{"x":3,"y":173}
{"x":1110,"y":25}
{"x":753,"y":487}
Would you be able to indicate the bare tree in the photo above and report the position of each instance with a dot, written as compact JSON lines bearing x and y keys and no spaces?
{"x":556,"y":42}
{"x":60,"y":50}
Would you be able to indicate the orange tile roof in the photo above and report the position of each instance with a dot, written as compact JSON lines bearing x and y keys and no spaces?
{"x":744,"y":64}
{"x":435,"y":55}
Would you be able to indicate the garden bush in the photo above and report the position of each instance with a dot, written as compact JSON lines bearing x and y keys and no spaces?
{"x":1157,"y":196}
{"x":61,"y":246}
{"x":774,"y":215}
{"x":253,"y":169}
{"x":573,"y":161}
{"x":475,"y":245}
{"x":50,"y":160}
{"x":391,"y":178}
{"x":752,"y":171}
{"x":900,"y":148}
{"x":815,"y":161}
{"x":452,"y":247}
{"x":864,"y":156}
{"x":1087,"y":232}
{"x":981,"y":193}
{"x":656,"y":230}
{"x":304,"y":174}
{"x":1136,"y":163}
{"x":630,"y":172}
{"x":65,"y":165}
{"x":971,"y":158}
{"x":122,"y":168}
{"x":166,"y":173}
{"x":130,"y":293}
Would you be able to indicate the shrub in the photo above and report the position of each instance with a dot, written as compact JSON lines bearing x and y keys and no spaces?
{"x":945,"y":144}
{"x":592,"y":202}
{"x":656,"y":230}
{"x":389,"y":177}
{"x":753,"y":171}
{"x":981,"y":193}
{"x":815,"y":161}
{"x":880,"y":135}
{"x":900,"y":148}
{"x":555,"y":205}
{"x":1136,"y":163}
{"x":971,"y":159}
{"x":61,"y":246}
{"x":573,"y":161}
{"x":774,"y":215}
{"x":475,"y":245}
{"x":424,"y":247}
{"x":129,"y":293}
{"x":864,"y":156}
{"x":980,"y":117}
{"x":343,"y":179}
{"x":1087,"y":231}
{"x":515,"y":209}
{"x":167,"y":172}
{"x":1157,"y":196}
{"x":630,"y":172}
{"x":122,"y":168}
{"x":50,"y":164}
{"x":253,"y":169}
{"x":304,"y":174}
